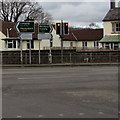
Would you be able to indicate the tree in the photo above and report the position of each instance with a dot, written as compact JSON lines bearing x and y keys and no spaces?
{"x":93,"y":25}
{"x":16,"y":11}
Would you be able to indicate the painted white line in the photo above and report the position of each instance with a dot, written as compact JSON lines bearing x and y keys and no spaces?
{"x":81,"y":113}
{"x":61,"y":115}
{"x":19,"y":116}
{"x":101,"y":113}
{"x":22,"y":78}
{"x":40,"y":116}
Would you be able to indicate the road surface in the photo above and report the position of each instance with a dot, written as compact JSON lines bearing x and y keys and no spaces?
{"x":60,"y":92}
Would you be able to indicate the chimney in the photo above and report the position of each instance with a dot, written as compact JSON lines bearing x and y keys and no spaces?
{"x":112,"y":4}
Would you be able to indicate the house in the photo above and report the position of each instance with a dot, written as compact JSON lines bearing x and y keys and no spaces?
{"x":76,"y":39}
{"x":83,"y":39}
{"x":10,"y":40}
{"x":111,"y":22}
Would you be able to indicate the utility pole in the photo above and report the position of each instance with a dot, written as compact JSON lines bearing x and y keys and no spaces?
{"x":21,"y":56}
{"x":62,"y":27}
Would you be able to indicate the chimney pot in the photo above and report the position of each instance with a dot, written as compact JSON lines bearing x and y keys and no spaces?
{"x":112,"y":4}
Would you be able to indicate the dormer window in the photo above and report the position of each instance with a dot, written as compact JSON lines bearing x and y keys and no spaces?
{"x":116,"y":27}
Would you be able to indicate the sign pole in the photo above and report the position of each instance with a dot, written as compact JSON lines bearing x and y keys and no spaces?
{"x":30,"y":51}
{"x":21,"y":51}
{"x":39,"y":53}
{"x":50,"y":54}
{"x":42,"y":30}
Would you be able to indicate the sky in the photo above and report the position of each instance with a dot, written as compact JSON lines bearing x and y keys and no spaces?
{"x":77,"y":14}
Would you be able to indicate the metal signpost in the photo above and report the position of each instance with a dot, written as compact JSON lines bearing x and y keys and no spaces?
{"x":44,"y":33}
{"x":25,"y":29}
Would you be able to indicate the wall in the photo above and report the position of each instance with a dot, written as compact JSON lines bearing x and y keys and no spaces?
{"x":2,"y":45}
{"x":67,"y":43}
{"x":69,"y":56}
{"x":108,"y":28}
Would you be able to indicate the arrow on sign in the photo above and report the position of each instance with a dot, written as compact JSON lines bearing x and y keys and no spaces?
{"x":17,"y":27}
{"x":45,"y":28}
{"x":25,"y":27}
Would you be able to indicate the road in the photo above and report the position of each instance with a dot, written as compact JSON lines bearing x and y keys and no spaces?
{"x":60,"y":92}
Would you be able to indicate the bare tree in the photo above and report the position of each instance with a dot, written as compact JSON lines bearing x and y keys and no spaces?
{"x":16,"y":11}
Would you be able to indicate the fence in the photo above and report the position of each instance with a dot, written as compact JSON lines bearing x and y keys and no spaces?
{"x":68,"y":57}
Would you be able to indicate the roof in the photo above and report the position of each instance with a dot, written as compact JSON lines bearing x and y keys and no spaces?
{"x":112,"y":15}
{"x":83,"y":35}
{"x":16,"y":38}
{"x":110,"y":38}
{"x":12,"y":33}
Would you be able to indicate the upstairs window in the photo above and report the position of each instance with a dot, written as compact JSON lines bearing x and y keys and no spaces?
{"x":116,"y":27}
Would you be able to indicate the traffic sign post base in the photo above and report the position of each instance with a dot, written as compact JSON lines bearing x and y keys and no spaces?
{"x":50,"y":58}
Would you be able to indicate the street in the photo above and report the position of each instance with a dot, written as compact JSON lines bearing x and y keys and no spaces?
{"x":60,"y":92}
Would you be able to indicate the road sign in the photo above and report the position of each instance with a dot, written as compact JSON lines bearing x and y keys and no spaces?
{"x":44,"y":36}
{"x":45,"y":29}
{"x":25,"y":27}
{"x":26,"y":36}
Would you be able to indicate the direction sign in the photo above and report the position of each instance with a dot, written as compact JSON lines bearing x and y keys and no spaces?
{"x":45,"y":29}
{"x":25,"y":27}
{"x":44,"y":36}
{"x":26,"y":36}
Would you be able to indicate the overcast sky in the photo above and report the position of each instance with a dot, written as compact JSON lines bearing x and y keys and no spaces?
{"x":78,"y":13}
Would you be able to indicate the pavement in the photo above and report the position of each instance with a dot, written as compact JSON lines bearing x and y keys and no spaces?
{"x":60,"y":92}
{"x":64,"y":64}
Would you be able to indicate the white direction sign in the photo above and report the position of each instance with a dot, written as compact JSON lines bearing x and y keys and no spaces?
{"x":43,"y":36}
{"x":26,"y":36}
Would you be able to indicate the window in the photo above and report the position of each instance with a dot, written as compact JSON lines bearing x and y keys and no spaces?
{"x":116,"y":27}
{"x":71,"y":44}
{"x":28,"y":44}
{"x":107,"y":45}
{"x":84,"y":44}
{"x":9,"y":44}
{"x":96,"y":44}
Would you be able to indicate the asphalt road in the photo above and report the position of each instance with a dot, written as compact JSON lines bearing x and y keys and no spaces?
{"x":60,"y":92}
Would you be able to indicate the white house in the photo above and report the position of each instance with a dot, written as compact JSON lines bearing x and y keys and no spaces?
{"x":111,"y":39}
{"x":10,"y":40}
{"x":83,"y":39}
{"x":76,"y":39}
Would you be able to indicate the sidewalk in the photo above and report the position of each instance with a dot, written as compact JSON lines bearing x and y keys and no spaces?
{"x":57,"y":65}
